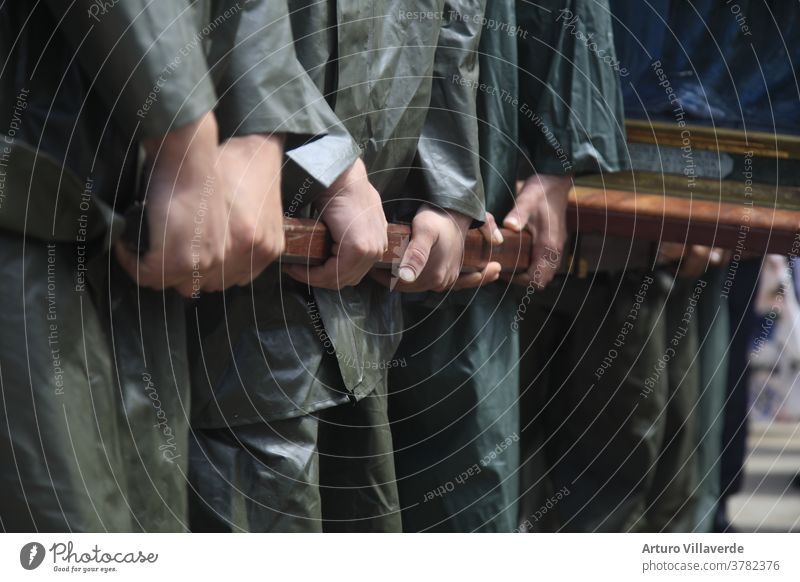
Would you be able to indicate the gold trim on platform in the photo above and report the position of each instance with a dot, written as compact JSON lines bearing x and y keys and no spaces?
{"x":732,"y":141}
{"x":765,"y":195}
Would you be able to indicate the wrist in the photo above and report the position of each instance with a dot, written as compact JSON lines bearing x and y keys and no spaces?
{"x":201,"y":135}
{"x":257,"y":143}
{"x":357,"y":172}
{"x":462,"y":221}
{"x":550,"y":189}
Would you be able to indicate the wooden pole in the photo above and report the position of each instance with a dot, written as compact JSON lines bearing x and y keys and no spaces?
{"x":307,"y":242}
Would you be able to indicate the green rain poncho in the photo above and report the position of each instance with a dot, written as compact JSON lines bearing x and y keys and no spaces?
{"x":283,"y":371}
{"x":543,"y":98}
{"x":93,"y":370}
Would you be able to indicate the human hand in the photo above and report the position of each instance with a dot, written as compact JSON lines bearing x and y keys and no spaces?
{"x":691,"y":260}
{"x":541,"y":208}
{"x":184,"y":210}
{"x":250,"y":169}
{"x":432,"y":259}
{"x":491,"y":272}
{"x":352,"y":210}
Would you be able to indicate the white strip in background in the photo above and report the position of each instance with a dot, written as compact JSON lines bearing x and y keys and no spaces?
{"x":401,"y":558}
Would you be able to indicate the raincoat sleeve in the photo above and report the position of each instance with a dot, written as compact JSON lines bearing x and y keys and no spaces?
{"x":314,"y":163}
{"x":570,"y":113}
{"x":448,"y":148}
{"x":144,"y":58}
{"x":261,"y":84}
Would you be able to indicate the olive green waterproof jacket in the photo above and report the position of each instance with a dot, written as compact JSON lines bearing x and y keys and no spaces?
{"x":400,"y":78}
{"x":93,"y":370}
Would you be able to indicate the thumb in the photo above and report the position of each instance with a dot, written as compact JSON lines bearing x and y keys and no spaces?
{"x":490,"y":231}
{"x":518,"y":217}
{"x":416,"y":255}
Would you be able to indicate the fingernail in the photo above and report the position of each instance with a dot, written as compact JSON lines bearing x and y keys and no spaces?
{"x":512,"y":222}
{"x":497,"y":237}
{"x":406,"y":274}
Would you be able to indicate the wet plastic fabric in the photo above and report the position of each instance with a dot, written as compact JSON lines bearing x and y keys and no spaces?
{"x":93,"y":370}
{"x":262,"y":353}
{"x":455,"y":423}
{"x":392,"y":75}
{"x":730,"y":64}
{"x":570,"y":112}
{"x":402,"y":74}
{"x":278,"y":430}
{"x":93,"y":429}
{"x":93,"y":420}
{"x":275,"y":354}
{"x":454,"y":406}
{"x":332,"y":471}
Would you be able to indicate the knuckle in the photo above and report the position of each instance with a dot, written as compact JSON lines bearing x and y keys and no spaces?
{"x":205,"y":262}
{"x":268,"y":250}
{"x":184,"y":263}
{"x":246,"y":235}
{"x":361,"y":248}
{"x":148,"y":282}
{"x":453,"y":279}
{"x":442,"y":280}
{"x":417,"y":254}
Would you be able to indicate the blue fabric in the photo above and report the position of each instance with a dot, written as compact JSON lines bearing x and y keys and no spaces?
{"x":731,"y":64}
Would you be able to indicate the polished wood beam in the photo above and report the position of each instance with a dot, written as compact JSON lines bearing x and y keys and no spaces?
{"x":307,"y":242}
{"x":606,"y":212}
{"x":654,"y":217}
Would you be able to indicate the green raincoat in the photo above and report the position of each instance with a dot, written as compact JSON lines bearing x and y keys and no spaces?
{"x":290,"y":383}
{"x":454,"y":411}
{"x":93,"y":370}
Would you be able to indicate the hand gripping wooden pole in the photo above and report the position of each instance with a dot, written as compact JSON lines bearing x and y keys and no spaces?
{"x":633,"y":216}
{"x":307,"y":242}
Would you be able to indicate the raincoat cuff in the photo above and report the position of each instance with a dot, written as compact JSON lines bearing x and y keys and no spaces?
{"x":585,"y":156}
{"x":471,"y":206}
{"x":176,"y":111}
{"x":314,"y":166}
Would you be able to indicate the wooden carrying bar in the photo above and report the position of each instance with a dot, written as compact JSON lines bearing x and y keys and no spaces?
{"x":656,"y":206}
{"x":653,"y":217}
{"x":616,"y":213}
{"x":307,"y":242}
